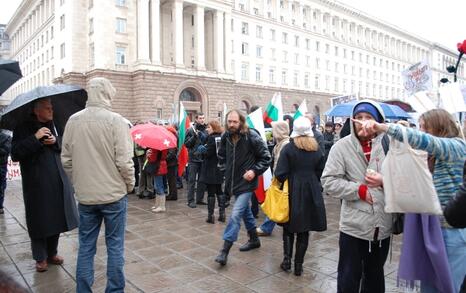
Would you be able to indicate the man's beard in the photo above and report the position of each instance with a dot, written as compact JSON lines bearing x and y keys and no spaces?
{"x":233,"y":130}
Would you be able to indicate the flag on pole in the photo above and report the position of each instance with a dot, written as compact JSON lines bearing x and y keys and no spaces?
{"x":302,"y":110}
{"x":183,"y":127}
{"x":254,"y":120}
{"x":274,"y":110}
{"x":224,"y":114}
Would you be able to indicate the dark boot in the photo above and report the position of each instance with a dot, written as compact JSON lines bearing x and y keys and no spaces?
{"x":227,"y":200}
{"x":210,"y":209}
{"x":221,"y":208}
{"x":253,"y":241}
{"x":301,"y":246}
{"x":288,"y":239}
{"x":172,"y":197}
{"x":222,"y":258}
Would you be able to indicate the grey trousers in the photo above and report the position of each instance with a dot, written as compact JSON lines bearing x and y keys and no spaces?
{"x":194,"y":170}
{"x":43,"y":248}
{"x":146,"y":180}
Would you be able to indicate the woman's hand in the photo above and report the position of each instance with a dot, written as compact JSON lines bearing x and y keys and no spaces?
{"x":374,"y":180}
{"x":371,"y":127}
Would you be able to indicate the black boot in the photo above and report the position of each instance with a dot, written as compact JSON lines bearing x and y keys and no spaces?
{"x":227,"y":200}
{"x":288,"y":239}
{"x":221,"y":208}
{"x":172,"y":197}
{"x":210,"y":209}
{"x":253,"y":241}
{"x":301,"y":247}
{"x":222,"y":258}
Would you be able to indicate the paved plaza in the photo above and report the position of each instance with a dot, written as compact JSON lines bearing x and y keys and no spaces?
{"x":175,"y":251}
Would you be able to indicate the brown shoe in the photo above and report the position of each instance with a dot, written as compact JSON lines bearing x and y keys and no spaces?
{"x":55,"y":260}
{"x":41,"y":266}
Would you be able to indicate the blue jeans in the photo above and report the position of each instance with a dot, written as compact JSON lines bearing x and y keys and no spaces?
{"x":241,"y":210}
{"x":455,"y":244}
{"x":90,"y":220}
{"x":267,"y":226}
{"x":158,"y":183}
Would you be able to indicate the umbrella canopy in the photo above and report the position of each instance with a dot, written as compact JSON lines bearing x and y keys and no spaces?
{"x":9,"y":74}
{"x":66,"y":100}
{"x":153,"y":136}
{"x":346,"y":109}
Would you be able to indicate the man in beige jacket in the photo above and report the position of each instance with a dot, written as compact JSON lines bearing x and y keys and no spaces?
{"x":97,"y":156}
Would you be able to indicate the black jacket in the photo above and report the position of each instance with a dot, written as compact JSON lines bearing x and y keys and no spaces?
{"x":5,"y":147}
{"x":193,"y":140}
{"x":454,"y":211}
{"x":249,"y":153}
{"x":210,"y":172}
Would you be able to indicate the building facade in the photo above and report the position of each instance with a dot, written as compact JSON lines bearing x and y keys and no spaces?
{"x":209,"y":52}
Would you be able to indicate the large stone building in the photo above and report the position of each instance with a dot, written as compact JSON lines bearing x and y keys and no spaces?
{"x":207,"y":52}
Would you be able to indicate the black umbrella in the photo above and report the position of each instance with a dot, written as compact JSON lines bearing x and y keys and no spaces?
{"x":66,"y":99}
{"x":9,"y":74}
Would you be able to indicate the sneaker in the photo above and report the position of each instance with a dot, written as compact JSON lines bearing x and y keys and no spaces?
{"x":261,"y":233}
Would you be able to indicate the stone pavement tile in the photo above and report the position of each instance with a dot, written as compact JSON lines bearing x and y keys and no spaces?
{"x":180,"y":246}
{"x":215,"y":283}
{"x":172,"y":261}
{"x":154,"y":252}
{"x":52,"y":275}
{"x":60,"y":286}
{"x":325,"y":285}
{"x":190,"y":233}
{"x":321,"y":265}
{"x":9,"y":269}
{"x":163,"y":238}
{"x":131,"y":257}
{"x":239,"y":272}
{"x":308,"y":277}
{"x":211,"y":241}
{"x":268,"y":264}
{"x":190,"y":273}
{"x":273,"y":284}
{"x":136,"y":269}
{"x":242,"y":290}
{"x":181,"y":289}
{"x":155,"y":282}
{"x":18,"y":278}
{"x":199,"y":254}
{"x":15,"y":239}
{"x":137,"y":244}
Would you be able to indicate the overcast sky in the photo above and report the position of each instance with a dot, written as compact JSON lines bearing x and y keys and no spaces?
{"x":440,"y":21}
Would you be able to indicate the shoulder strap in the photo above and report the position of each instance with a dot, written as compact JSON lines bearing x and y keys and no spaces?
{"x":385,"y":143}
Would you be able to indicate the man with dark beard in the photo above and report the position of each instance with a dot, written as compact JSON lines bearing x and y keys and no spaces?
{"x":245,"y":156}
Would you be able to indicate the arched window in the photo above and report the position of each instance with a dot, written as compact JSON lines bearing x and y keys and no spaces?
{"x":244,"y":107}
{"x":187,"y":95}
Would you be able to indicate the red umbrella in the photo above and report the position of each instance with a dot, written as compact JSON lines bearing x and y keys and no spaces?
{"x":153,"y":136}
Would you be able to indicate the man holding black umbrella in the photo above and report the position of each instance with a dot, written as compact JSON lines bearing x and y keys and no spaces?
{"x":48,"y":195}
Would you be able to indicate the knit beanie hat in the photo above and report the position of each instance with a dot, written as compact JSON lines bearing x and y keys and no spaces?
{"x":370,"y":109}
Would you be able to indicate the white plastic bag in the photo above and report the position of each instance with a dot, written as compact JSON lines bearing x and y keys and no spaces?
{"x":407,"y":181}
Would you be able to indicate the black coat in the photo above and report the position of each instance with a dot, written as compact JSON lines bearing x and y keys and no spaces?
{"x":249,"y":153}
{"x":307,"y":209}
{"x":454,"y":211}
{"x":193,"y":140}
{"x":210,"y":172}
{"x":48,"y":194}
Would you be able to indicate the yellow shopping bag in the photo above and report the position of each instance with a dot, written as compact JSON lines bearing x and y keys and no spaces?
{"x":275,"y":205}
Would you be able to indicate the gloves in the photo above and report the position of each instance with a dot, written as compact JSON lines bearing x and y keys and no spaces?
{"x":201,"y":149}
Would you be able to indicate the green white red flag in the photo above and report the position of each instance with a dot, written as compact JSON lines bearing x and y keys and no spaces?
{"x":254,"y":120}
{"x":302,"y":110}
{"x":274,"y":110}
{"x":183,"y":127}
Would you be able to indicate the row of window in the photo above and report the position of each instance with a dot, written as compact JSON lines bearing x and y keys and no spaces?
{"x":347,"y":86}
{"x":35,"y":46}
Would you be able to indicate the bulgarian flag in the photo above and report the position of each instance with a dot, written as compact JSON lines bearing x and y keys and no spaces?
{"x":183,"y":127}
{"x":302,"y":110}
{"x":254,"y":120}
{"x":274,"y":110}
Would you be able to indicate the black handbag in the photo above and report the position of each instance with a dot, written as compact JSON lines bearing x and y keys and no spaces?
{"x":397,"y":223}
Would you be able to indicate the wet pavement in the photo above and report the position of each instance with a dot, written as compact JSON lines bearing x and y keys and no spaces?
{"x":175,"y":251}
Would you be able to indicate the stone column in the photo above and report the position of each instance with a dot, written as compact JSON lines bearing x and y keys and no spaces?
{"x":277,"y":10}
{"x":199,"y":37}
{"x":227,"y":42}
{"x":218,"y":41}
{"x":143,"y":30}
{"x":177,"y":10}
{"x":155,"y":32}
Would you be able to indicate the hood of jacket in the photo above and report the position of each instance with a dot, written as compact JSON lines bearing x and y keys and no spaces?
{"x":280,"y":130}
{"x":100,"y":93}
{"x":375,"y":104}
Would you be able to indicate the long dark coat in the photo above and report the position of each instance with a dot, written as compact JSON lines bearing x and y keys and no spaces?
{"x":210,"y":173}
{"x":307,"y":209}
{"x":48,"y":194}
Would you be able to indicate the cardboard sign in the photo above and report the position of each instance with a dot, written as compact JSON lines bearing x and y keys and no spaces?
{"x":417,"y":77}
{"x":13,"y":170}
